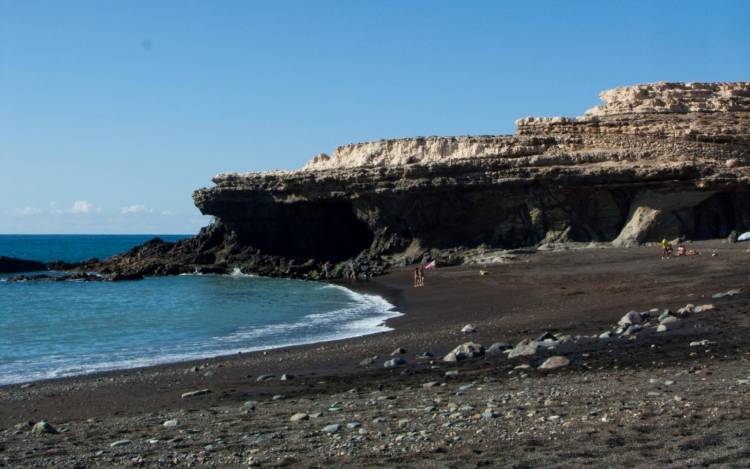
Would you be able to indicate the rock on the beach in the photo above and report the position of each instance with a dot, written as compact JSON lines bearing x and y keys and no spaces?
{"x":633,"y":329}
{"x":701,"y":343}
{"x":264,"y":378}
{"x":704,"y":308}
{"x":117,"y":443}
{"x":299,"y":416}
{"x":525,"y":348}
{"x":555,"y":362}
{"x":249,"y":405}
{"x":199,"y":392}
{"x":394,"y":362}
{"x":463,"y":351}
{"x":719,"y":295}
{"x":398,"y":351}
{"x":43,"y":427}
{"x":631,"y":317}
{"x":333,"y":428}
{"x":669,"y":323}
{"x":368,"y":361}
{"x":171,"y":423}
{"x":498,"y":348}
{"x":286,"y":377}
{"x":468,"y":329}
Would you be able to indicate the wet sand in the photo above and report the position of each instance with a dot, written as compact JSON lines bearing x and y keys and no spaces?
{"x":568,"y":292}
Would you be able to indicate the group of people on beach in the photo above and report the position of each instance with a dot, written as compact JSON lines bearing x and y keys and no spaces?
{"x":668,"y":251}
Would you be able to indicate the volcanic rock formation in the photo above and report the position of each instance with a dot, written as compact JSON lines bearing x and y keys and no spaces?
{"x":656,"y":160}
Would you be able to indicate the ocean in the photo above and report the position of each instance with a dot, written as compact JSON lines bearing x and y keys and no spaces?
{"x":57,"y":329}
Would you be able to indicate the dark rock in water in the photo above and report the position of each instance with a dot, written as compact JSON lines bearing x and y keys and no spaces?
{"x":11,"y":265}
{"x":76,"y":277}
{"x":120,"y":277}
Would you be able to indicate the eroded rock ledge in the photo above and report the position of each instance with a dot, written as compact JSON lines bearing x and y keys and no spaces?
{"x":656,"y":160}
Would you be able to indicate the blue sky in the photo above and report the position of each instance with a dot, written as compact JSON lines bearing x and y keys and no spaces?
{"x":113,"y":112}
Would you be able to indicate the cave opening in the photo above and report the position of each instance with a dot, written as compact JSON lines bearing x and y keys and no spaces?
{"x":301,"y":231}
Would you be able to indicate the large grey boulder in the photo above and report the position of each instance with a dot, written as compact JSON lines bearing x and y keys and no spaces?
{"x":463,"y":351}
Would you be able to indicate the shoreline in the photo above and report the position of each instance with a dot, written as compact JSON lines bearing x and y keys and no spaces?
{"x":581,"y":292}
{"x":392,"y":311}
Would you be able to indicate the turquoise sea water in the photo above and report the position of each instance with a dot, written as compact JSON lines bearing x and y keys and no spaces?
{"x":54,"y":329}
{"x":72,"y":248}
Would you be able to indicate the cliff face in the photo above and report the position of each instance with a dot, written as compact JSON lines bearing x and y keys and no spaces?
{"x":657,"y":160}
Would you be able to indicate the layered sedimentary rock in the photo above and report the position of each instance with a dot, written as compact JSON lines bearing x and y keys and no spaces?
{"x":657,"y":160}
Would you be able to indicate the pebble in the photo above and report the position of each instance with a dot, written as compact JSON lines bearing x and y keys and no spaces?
{"x":171,"y":423}
{"x":701,"y":343}
{"x":431,"y":384}
{"x":286,"y":377}
{"x":333,"y":428}
{"x":368,"y":361}
{"x":263,"y":377}
{"x":394,"y":362}
{"x":278,"y":397}
{"x":119,"y":443}
{"x":398,"y":351}
{"x":353,"y":425}
{"x":468,"y":329}
{"x":299,"y":416}
{"x":451,"y":373}
{"x":199,"y":392}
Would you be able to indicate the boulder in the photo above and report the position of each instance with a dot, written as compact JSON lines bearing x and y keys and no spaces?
{"x":631,"y":317}
{"x":525,"y":348}
{"x":463,"y":351}
{"x":497,"y":349}
{"x":552,"y":363}
{"x":43,"y":427}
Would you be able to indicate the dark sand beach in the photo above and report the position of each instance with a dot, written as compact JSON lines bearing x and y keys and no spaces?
{"x":651,"y":401}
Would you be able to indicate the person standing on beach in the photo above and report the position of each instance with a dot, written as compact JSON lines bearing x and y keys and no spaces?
{"x":352,"y":272}
{"x":416,"y":277}
{"x":326,"y":270}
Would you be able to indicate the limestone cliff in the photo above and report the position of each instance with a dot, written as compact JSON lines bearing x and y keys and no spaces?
{"x":664,"y":159}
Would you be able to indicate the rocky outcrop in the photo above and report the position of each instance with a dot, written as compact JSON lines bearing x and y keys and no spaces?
{"x":11,"y":265}
{"x":657,"y":160}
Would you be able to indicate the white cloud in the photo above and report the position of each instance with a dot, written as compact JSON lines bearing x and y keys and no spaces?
{"x":83,"y":206}
{"x":27,"y":211}
{"x":135,"y":208}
